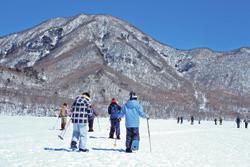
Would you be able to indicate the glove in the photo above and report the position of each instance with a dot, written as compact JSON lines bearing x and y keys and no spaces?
{"x":147,"y":116}
{"x":119,"y":119}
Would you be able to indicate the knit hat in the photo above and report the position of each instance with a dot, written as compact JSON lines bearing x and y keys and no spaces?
{"x":86,"y":94}
{"x":113,"y":100}
{"x":132,"y":95}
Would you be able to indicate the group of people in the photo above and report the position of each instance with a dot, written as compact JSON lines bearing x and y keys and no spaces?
{"x":65,"y":112}
{"x":237,"y":120}
{"x":179,"y":120}
{"x":220,"y":120}
{"x":82,"y":112}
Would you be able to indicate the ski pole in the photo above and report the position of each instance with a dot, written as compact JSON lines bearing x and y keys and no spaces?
{"x":98,"y":123}
{"x":115,"y":142}
{"x":55,"y":123}
{"x":64,"y":131}
{"x":149,"y":136}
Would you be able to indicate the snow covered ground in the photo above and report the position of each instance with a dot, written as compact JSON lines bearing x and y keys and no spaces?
{"x":24,"y":140}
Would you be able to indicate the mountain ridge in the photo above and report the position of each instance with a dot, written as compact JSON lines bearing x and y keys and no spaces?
{"x":109,"y":57}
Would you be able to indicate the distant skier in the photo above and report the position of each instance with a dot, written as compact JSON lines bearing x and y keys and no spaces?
{"x":114,"y":111}
{"x":181,"y":120}
{"x":215,"y":121}
{"x":178,"y":120}
{"x":64,"y":112}
{"x":132,"y":111}
{"x":246,"y":123}
{"x":79,"y":116}
{"x":220,"y":120}
{"x":54,"y":112}
{"x":238,"y":121}
{"x":91,"y":117}
{"x":192,"y":120}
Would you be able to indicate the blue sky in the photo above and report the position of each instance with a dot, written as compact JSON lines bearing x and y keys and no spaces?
{"x":221,"y":25}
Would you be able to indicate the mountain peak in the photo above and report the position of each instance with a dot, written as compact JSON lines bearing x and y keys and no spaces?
{"x":59,"y":58}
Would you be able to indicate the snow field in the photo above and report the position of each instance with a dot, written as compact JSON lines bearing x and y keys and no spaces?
{"x":24,"y":140}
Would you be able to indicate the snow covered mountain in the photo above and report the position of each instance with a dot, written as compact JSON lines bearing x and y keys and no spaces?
{"x":49,"y":64}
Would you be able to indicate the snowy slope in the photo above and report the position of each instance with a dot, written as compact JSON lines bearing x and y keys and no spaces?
{"x":23,"y":141}
{"x":51,"y":63}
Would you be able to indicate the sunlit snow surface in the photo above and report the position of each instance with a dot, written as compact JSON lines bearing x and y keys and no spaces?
{"x":24,"y":140}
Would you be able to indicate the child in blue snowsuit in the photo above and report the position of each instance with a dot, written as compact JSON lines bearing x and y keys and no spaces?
{"x":114,"y":110}
{"x":132,"y":110}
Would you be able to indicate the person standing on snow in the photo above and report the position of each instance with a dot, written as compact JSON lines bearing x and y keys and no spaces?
{"x":132,"y":110}
{"x":91,"y":117}
{"x":114,"y":110}
{"x":238,"y":121}
{"x":215,"y":121}
{"x":192,"y":120}
{"x":79,"y":116}
{"x":246,"y":123}
{"x":64,"y":112}
{"x":181,"y":120}
{"x":220,"y":120}
{"x":178,"y":120}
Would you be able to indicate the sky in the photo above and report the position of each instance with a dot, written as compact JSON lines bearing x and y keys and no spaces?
{"x":221,"y":25}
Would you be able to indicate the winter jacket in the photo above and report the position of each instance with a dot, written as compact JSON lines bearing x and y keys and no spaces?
{"x":64,"y":112}
{"x":237,"y":120}
{"x":132,"y":110}
{"x":114,"y":110}
{"x":92,"y":114}
{"x":80,"y":109}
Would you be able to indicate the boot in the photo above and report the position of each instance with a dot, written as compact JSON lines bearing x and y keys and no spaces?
{"x":83,"y":150}
{"x":73,"y":145}
{"x":128,"y":150}
{"x":62,"y":126}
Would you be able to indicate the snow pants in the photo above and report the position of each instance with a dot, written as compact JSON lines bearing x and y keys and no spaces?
{"x":80,"y":133}
{"x":63,"y":122}
{"x":115,"y":128}
{"x":132,"y":134}
{"x":91,"y":123}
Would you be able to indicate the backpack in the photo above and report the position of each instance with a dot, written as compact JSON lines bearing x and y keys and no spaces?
{"x":114,"y":111}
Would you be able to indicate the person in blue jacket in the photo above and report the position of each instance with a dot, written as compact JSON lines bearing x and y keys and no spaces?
{"x":132,"y":110}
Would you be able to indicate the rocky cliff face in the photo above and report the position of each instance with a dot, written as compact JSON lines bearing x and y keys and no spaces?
{"x":53,"y":62}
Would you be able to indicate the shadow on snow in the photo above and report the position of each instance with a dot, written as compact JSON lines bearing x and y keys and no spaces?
{"x":57,"y":149}
{"x":69,"y":150}
{"x":94,"y":137}
{"x":108,"y":149}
